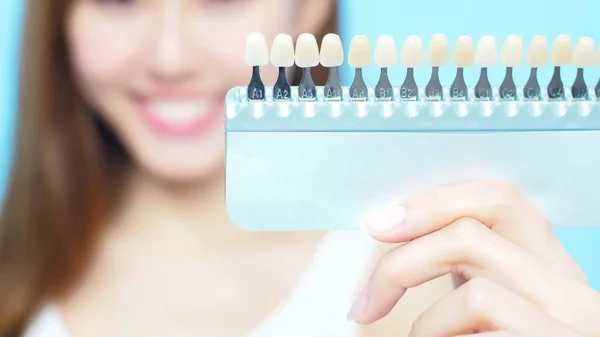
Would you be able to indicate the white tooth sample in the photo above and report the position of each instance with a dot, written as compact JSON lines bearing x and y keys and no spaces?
{"x":537,"y":54}
{"x":360,"y":55}
{"x":486,"y":54}
{"x":463,"y":54}
{"x":332,"y":52}
{"x":257,"y":52}
{"x":307,"y":51}
{"x":178,"y":112}
{"x":386,"y":54}
{"x":438,"y":51}
{"x":583,"y":55}
{"x":282,"y":51}
{"x":512,"y":51}
{"x":412,"y":52}
{"x":562,"y":51}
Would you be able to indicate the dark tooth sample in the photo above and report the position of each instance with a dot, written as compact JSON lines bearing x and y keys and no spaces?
{"x":483,"y":88}
{"x":383,"y":89}
{"x":531,"y":90}
{"x":598,"y":90}
{"x":434,"y":89}
{"x":256,"y":88}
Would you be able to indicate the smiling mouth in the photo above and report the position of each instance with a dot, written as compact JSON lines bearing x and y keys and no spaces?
{"x":180,"y":117}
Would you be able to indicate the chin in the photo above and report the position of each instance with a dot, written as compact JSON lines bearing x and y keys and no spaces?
{"x":182,"y":167}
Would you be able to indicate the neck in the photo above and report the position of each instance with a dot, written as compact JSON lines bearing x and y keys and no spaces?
{"x":153,"y":207}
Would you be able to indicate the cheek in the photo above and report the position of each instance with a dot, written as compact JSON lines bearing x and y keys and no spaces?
{"x":103,"y":50}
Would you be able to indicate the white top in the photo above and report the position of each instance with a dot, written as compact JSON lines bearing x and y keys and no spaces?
{"x":316,"y":308}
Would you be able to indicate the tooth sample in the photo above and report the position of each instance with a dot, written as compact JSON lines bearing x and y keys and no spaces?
{"x":463,"y":56}
{"x":537,"y":57}
{"x":560,"y":55}
{"x":282,"y":56}
{"x":583,"y":57}
{"x":256,"y":55}
{"x":386,"y":56}
{"x":411,"y":58}
{"x":359,"y":57}
{"x":307,"y":57}
{"x":511,"y":56}
{"x":332,"y":56}
{"x":486,"y":55}
{"x":437,"y":56}
{"x":598,"y":85}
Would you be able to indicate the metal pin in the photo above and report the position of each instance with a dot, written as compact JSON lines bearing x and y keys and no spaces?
{"x":508,"y":90}
{"x":434,"y":90}
{"x":307,"y":89}
{"x":483,"y":88}
{"x":531,"y":90}
{"x":383,"y":89}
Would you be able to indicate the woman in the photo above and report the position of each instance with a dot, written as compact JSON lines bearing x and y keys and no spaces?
{"x":114,"y":223}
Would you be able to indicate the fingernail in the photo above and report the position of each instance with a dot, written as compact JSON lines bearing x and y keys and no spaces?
{"x":358,"y":307}
{"x":385,"y":221}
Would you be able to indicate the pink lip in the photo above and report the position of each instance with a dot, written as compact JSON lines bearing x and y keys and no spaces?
{"x":194,"y":127}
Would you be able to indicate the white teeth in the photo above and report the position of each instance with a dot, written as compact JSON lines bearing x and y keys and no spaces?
{"x":486,"y":54}
{"x":332,"y":52}
{"x":562,"y":52}
{"x":307,"y":51}
{"x":412,"y":52}
{"x":359,"y":55}
{"x":178,"y":112}
{"x":583,"y":55}
{"x":463,"y":54}
{"x":512,"y":51}
{"x":537,"y":55}
{"x":438,"y":51}
{"x":282,"y":51}
{"x":257,"y":52}
{"x":386,"y":54}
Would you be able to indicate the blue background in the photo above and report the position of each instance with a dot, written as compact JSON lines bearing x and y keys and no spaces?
{"x":399,"y":18}
{"x":527,"y":18}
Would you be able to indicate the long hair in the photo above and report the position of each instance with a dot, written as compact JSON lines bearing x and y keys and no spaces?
{"x":59,"y":191}
{"x":66,"y":174}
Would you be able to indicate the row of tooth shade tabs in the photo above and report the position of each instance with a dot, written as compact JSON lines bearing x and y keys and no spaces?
{"x":306,"y":54}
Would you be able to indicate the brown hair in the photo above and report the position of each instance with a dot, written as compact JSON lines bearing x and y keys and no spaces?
{"x":58,"y":194}
{"x":64,"y":178}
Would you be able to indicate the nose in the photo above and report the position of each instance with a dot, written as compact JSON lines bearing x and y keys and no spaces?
{"x":169,"y":58}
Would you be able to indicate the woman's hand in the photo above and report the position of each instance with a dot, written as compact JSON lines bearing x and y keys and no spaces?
{"x":519,"y":280}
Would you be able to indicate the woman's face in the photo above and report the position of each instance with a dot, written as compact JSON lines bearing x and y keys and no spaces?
{"x":158,"y":70}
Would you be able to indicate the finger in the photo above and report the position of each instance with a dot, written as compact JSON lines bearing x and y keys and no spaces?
{"x":468,"y":248}
{"x":493,"y":334}
{"x":498,"y":205}
{"x":481,"y":305}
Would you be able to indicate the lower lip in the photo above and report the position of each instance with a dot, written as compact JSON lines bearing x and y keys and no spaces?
{"x":194,"y":127}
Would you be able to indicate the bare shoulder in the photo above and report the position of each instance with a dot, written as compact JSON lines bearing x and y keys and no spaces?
{"x":414,"y":302}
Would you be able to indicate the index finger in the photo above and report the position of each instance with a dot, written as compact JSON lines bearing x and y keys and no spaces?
{"x":496,"y":204}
